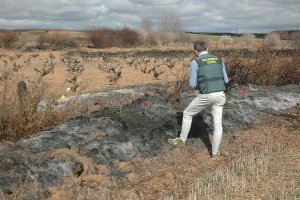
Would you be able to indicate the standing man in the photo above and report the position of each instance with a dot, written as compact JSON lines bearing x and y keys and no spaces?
{"x":207,"y":74}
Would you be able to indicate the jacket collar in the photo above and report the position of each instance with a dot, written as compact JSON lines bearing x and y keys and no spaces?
{"x":203,"y":52}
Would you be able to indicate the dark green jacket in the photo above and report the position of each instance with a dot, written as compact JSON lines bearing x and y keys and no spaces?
{"x":210,"y":74}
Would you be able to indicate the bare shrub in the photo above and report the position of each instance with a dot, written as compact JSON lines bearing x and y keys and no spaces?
{"x":289,"y":72}
{"x":248,"y":39}
{"x":129,"y":38}
{"x":166,"y":37}
{"x":295,"y":38}
{"x":183,"y":37}
{"x":74,"y":69}
{"x":170,"y":22}
{"x":209,"y":42}
{"x":146,"y":35}
{"x":170,"y":28}
{"x":56,"y":40}
{"x":19,"y":115}
{"x":103,"y":38}
{"x":152,"y":40}
{"x":41,"y":41}
{"x":12,"y":64}
{"x":226,"y":40}
{"x":146,"y":24}
{"x":272,"y":40}
{"x":180,"y":85}
{"x":46,"y":68}
{"x":112,"y":68}
{"x":265,"y":67}
{"x":8,"y":38}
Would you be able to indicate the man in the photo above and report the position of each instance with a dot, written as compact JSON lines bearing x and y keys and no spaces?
{"x":207,"y":74}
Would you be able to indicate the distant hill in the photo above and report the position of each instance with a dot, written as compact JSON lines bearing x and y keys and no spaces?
{"x":258,"y":35}
{"x":284,"y":34}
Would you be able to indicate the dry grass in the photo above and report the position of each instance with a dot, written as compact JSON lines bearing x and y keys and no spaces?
{"x":19,"y":115}
{"x":29,"y":190}
{"x":269,"y":173}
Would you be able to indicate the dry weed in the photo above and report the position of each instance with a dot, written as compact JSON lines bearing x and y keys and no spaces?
{"x":252,"y":174}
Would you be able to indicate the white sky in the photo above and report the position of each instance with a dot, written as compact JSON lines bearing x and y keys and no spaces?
{"x":196,"y":15}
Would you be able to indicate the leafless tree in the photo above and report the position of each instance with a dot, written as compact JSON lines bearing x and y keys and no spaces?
{"x":226,"y":40}
{"x":183,"y":37}
{"x":146,"y":24}
{"x":166,"y":37}
{"x":170,"y":25}
{"x":170,"y":22}
{"x":272,"y":39}
{"x":145,"y":31}
{"x":248,"y":39}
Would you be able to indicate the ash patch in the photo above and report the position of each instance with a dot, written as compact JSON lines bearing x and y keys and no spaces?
{"x":122,"y":134}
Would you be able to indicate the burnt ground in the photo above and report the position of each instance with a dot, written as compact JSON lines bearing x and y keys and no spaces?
{"x":246,"y":53}
{"x":98,"y":143}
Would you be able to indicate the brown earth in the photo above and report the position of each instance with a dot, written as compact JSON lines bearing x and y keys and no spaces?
{"x":92,"y":78}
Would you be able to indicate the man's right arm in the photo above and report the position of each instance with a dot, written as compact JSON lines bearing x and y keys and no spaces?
{"x":193,"y":74}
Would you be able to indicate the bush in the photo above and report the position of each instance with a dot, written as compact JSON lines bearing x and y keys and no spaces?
{"x":8,"y":38}
{"x":129,"y":38}
{"x":248,"y":39}
{"x":295,"y":38}
{"x":272,"y":40}
{"x":55,"y":40}
{"x":104,"y":38}
{"x":264,"y":67}
{"x":166,"y":37}
{"x":226,"y":40}
{"x":183,"y":37}
{"x":148,"y":38}
{"x":19,"y":116}
{"x":18,"y":105}
{"x":42,"y":41}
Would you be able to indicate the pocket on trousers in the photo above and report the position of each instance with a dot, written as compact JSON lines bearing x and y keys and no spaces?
{"x":222,"y":99}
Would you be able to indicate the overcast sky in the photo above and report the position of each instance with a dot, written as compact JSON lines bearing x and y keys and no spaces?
{"x":195,"y":15}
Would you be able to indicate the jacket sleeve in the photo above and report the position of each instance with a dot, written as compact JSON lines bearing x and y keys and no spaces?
{"x":224,"y":73}
{"x":193,"y":74}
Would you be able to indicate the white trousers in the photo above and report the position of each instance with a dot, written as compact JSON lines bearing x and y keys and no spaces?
{"x":214,"y":100}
